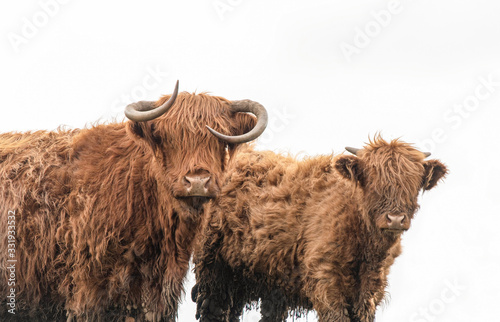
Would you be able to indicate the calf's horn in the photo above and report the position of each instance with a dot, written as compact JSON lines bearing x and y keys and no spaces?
{"x":427,"y":154}
{"x":146,"y":111}
{"x":352,"y":150}
{"x":245,"y":106}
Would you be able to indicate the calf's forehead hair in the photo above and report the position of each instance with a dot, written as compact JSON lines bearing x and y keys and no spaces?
{"x":380,"y":148}
{"x":393,"y":168}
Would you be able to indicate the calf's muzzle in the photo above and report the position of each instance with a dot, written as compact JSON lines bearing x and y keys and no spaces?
{"x":397,"y":222}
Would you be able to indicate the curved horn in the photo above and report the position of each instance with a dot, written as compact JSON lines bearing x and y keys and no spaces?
{"x":245,"y":106}
{"x":427,"y":154}
{"x":352,"y":150}
{"x":146,"y":111}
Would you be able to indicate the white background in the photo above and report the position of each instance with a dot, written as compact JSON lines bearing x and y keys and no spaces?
{"x":415,"y":70}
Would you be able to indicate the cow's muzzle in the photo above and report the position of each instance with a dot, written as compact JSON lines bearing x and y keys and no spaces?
{"x":199,"y":185}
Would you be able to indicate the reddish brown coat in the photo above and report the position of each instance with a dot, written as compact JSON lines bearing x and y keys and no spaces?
{"x":97,"y":223}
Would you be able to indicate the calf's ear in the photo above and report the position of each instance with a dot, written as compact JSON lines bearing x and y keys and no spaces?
{"x":434,"y":170}
{"x":350,"y":168}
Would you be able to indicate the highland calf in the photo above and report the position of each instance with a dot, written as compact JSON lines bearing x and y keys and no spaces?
{"x":105,"y":217}
{"x":317,"y":234}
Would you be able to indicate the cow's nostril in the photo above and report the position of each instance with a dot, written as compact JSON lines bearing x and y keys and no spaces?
{"x":186,"y":182}
{"x":207,"y":182}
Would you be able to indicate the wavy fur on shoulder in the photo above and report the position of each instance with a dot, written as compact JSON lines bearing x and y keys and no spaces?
{"x":99,"y":234}
{"x":309,"y":234}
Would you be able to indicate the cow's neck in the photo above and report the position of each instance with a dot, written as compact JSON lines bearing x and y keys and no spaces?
{"x":182,"y":222}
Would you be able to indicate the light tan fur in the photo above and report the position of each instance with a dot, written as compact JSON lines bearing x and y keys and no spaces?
{"x":308,"y":234}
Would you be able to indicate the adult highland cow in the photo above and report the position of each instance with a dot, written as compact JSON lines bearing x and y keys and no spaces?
{"x":317,"y":234}
{"x":105,"y":217}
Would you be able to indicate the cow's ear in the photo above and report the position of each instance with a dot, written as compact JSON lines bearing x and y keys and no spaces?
{"x":144,"y":133}
{"x":243,"y":123}
{"x":350,"y":168}
{"x":434,"y":170}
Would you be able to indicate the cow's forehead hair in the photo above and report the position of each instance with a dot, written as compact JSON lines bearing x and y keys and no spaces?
{"x":189,"y":144}
{"x":192,"y":112}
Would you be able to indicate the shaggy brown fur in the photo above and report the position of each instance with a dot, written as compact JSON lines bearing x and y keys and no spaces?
{"x":308,"y":234}
{"x":97,"y":223}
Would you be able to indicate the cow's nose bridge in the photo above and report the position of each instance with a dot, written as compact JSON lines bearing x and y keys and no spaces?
{"x":198,"y":172}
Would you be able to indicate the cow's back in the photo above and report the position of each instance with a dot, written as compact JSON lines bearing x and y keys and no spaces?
{"x":34,"y":186}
